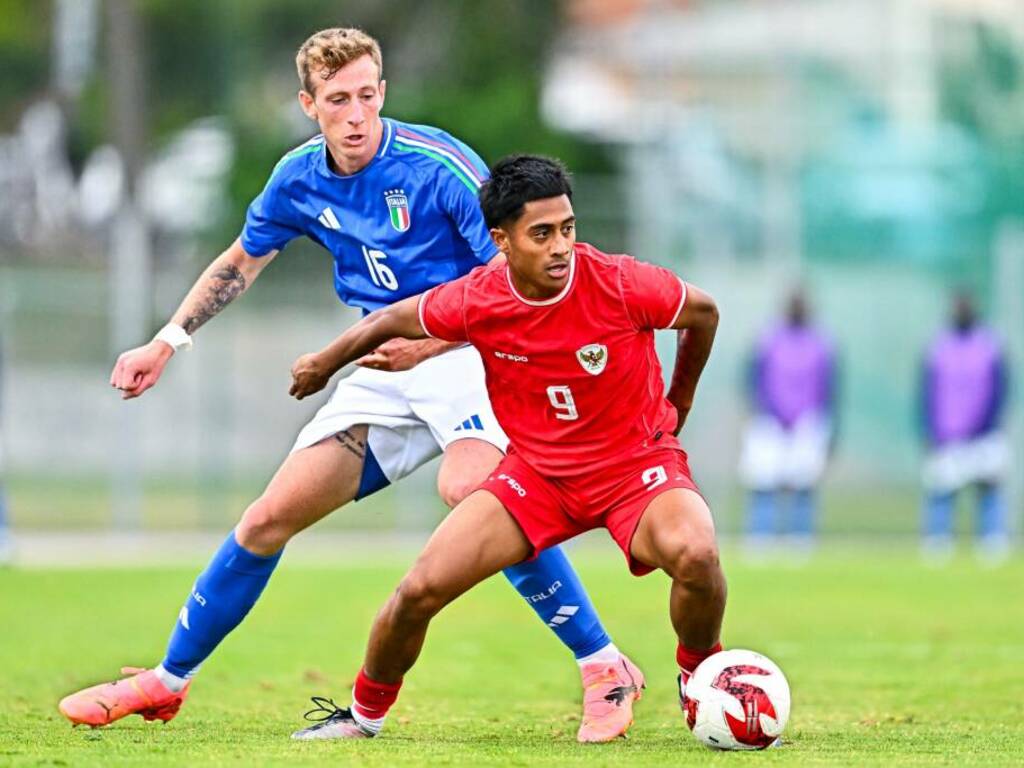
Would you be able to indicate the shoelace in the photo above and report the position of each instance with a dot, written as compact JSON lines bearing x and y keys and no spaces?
{"x":326,"y":710}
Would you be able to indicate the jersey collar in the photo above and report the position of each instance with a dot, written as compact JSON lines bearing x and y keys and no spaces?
{"x":387,"y":134}
{"x":554,"y":299}
{"x":385,"y":141}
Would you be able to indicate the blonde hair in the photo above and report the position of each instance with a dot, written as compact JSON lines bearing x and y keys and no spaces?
{"x":331,"y":49}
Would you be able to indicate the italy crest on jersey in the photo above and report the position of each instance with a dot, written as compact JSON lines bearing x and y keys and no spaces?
{"x":398,"y":207}
{"x":593,"y":358}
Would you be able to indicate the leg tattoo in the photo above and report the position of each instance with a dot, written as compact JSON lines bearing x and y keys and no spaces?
{"x":352,"y":444}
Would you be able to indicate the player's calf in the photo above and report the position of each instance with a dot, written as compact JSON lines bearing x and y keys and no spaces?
{"x":676,"y":534}
{"x":478,"y":539}
{"x":401,"y":626}
{"x":697,"y":602}
{"x":697,"y":598}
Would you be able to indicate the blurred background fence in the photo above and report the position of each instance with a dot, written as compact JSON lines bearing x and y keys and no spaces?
{"x":871,"y":151}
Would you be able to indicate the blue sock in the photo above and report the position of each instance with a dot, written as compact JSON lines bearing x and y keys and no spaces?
{"x":991,"y":512}
{"x":803,"y":512}
{"x":220,"y":599}
{"x":761,"y":515}
{"x":551,"y":587}
{"x":938,"y":515}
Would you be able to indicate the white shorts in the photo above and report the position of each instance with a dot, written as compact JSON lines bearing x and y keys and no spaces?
{"x":774,"y":458}
{"x":412,"y":415}
{"x":957,"y":465}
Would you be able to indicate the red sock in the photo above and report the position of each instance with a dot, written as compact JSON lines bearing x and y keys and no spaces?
{"x":689,"y":658}
{"x":371,"y":699}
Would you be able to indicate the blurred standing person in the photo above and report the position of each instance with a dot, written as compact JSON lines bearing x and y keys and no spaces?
{"x":963,"y":390}
{"x":792,"y":386}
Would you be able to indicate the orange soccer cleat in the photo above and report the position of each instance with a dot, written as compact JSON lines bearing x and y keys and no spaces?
{"x":140,"y":694}
{"x":609,"y":691}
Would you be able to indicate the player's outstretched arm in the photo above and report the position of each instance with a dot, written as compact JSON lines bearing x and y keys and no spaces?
{"x":402,"y":355}
{"x":227,"y":278}
{"x":696,"y":322}
{"x":311,"y":372}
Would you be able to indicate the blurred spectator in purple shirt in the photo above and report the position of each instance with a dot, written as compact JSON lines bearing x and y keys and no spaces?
{"x":786,"y":445}
{"x":963,"y":390}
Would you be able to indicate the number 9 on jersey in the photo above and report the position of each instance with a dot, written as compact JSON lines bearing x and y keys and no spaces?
{"x":562,"y":402}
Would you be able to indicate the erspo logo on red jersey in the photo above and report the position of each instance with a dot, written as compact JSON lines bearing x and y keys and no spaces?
{"x":513,"y":358}
{"x":513,"y":484}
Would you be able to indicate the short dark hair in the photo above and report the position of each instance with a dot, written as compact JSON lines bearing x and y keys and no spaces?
{"x":519,"y":179}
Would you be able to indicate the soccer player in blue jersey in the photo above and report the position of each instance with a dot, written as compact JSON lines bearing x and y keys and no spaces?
{"x":396,"y":207}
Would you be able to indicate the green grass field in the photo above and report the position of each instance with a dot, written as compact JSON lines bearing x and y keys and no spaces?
{"x":891,"y":663}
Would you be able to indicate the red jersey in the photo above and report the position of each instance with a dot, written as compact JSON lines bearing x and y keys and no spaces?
{"x":574,"y":379}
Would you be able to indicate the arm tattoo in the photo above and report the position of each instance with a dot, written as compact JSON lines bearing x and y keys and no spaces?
{"x":354,"y":446}
{"x":223,"y":287}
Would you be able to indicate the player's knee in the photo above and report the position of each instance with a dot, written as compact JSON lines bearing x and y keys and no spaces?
{"x":453,"y":490}
{"x":695,"y":563}
{"x":418,"y":598}
{"x":265,"y":527}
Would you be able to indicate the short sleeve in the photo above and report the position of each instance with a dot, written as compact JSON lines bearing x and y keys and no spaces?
{"x":654,"y":296}
{"x":267,"y":228}
{"x":442,"y":311}
{"x":461,"y":202}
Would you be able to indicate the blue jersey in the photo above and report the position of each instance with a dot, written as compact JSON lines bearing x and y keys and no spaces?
{"x":406,"y":222}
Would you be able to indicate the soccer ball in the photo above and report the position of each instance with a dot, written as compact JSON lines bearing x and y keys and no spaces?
{"x":736,"y":700}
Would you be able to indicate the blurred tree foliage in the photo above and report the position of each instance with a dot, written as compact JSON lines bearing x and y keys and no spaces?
{"x":983,"y":91}
{"x":937,"y":197}
{"x":472,"y":68}
{"x":24,"y":56}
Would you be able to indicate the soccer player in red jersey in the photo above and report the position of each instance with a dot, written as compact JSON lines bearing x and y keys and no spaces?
{"x":567,"y":338}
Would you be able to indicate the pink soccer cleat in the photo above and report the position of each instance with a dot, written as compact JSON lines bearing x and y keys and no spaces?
{"x":609,"y":691}
{"x":140,"y":694}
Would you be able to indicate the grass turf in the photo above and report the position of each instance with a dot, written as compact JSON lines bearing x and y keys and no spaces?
{"x":891,"y":664}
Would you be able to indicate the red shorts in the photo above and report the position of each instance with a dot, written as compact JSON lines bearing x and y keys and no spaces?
{"x":551,"y":510}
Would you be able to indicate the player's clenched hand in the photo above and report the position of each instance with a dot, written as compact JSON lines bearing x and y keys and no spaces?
{"x":399,"y":354}
{"x":682,"y":409}
{"x":309,"y":376}
{"x":681,"y":415}
{"x":139,"y":369}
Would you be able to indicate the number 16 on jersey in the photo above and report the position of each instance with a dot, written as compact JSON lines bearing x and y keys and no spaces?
{"x":380,"y":272}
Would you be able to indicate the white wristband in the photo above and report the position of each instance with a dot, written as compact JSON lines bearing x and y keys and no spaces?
{"x":174,"y":335}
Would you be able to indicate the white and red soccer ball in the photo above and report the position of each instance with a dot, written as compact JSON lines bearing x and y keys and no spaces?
{"x":737,"y":700}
